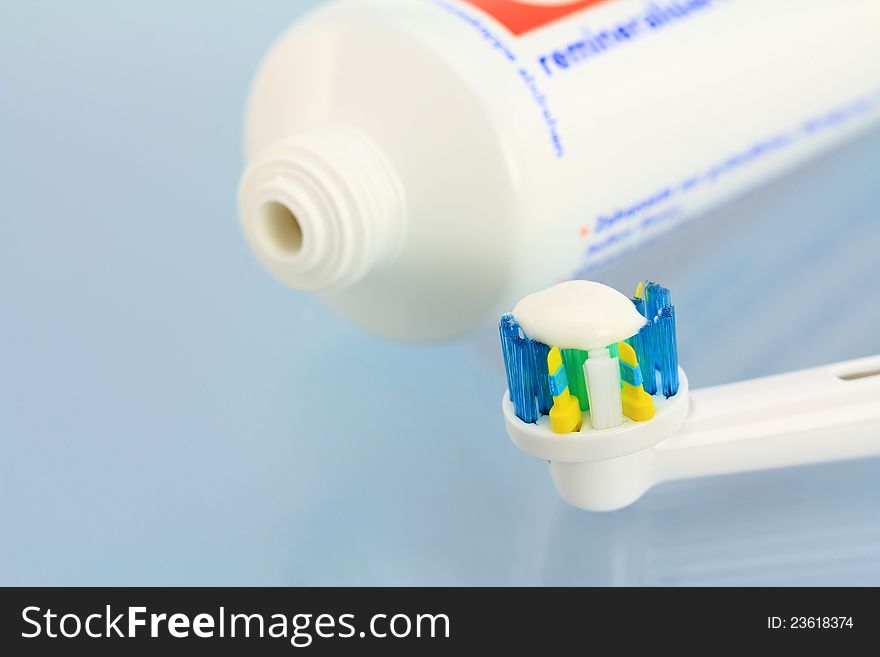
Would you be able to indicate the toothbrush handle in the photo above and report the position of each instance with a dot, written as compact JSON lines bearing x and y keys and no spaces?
{"x":822,"y":414}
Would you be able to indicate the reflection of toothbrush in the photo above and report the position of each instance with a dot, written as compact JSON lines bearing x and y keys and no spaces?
{"x":821,"y":414}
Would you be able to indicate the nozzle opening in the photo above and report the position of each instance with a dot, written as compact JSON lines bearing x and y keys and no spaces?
{"x":279,"y":231}
{"x":321,"y":209}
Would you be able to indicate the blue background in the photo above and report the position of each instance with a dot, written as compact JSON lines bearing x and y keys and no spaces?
{"x":171,"y":415}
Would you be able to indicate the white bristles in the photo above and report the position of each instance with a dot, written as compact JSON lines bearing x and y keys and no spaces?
{"x":602,"y":376}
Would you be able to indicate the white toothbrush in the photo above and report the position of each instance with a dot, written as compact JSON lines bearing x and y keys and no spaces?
{"x":827,"y":413}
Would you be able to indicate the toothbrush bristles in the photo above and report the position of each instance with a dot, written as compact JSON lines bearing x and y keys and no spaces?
{"x":668,"y":350}
{"x":538,"y":364}
{"x":655,"y":347}
{"x":656,"y":296}
{"x":525,"y":361}
{"x":648,"y":364}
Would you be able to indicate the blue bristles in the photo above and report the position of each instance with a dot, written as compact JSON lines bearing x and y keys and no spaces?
{"x":525,"y":361}
{"x":648,"y":338}
{"x":657,"y":340}
{"x":639,"y":303}
{"x":656,"y":296}
{"x":508,"y":332}
{"x":540,"y":376}
{"x":668,"y":350}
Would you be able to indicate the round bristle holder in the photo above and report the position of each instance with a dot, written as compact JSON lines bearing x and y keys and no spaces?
{"x":602,"y":470}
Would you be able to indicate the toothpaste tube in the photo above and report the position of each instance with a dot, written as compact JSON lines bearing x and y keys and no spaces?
{"x":422,"y":163}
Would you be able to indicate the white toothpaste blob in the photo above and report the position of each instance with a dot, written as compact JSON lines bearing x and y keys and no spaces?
{"x":578,"y":315}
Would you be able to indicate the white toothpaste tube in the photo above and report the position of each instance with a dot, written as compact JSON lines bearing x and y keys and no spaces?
{"x":423,"y":163}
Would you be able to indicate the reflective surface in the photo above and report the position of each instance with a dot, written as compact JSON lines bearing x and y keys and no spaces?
{"x":171,"y":415}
